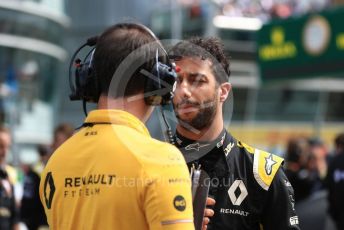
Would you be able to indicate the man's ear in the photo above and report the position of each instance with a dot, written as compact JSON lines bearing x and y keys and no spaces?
{"x":225,"y":88}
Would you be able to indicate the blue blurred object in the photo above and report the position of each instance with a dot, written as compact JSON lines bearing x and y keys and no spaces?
{"x":11,"y":80}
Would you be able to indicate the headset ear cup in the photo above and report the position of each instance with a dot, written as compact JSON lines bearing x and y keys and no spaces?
{"x":159,"y":90}
{"x":151,"y":88}
{"x":86,"y":82}
{"x":77,"y":78}
{"x":91,"y":92}
{"x":95,"y":83}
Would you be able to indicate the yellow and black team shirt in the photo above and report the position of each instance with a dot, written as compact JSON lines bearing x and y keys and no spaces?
{"x":113,"y":175}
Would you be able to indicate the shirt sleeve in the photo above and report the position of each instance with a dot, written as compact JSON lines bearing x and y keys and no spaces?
{"x":167,"y":194}
{"x":279,"y":212}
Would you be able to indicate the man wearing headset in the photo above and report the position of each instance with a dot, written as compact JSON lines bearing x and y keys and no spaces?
{"x":111,"y":174}
{"x":249,"y":186}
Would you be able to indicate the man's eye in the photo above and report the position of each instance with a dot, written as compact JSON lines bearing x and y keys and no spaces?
{"x":198,"y":81}
{"x":195,"y":84}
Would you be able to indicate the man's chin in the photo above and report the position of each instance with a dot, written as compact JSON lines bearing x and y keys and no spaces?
{"x":186,"y":117}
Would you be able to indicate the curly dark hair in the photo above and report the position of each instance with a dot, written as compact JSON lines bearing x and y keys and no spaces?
{"x":206,"y":48}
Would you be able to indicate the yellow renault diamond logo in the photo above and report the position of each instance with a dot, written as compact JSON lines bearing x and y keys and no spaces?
{"x":49,"y":190}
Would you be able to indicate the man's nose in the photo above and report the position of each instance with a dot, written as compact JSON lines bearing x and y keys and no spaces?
{"x":185,"y":89}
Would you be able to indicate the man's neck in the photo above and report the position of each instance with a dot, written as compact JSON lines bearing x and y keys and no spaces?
{"x":134,"y":105}
{"x":206,"y":134}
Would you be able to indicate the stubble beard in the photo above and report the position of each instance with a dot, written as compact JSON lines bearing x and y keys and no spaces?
{"x":205,"y":116}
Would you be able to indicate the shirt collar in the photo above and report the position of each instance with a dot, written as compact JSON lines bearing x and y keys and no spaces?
{"x":195,"y":150}
{"x":116,"y":117}
{"x":184,"y":141}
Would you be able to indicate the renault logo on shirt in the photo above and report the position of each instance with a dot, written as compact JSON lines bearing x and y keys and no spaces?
{"x":49,"y":189}
{"x":237,"y":200}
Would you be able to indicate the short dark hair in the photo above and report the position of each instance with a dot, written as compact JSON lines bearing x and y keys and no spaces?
{"x":65,"y":128}
{"x":296,"y":149}
{"x":206,"y":48}
{"x":43,"y":150}
{"x":113,"y":47}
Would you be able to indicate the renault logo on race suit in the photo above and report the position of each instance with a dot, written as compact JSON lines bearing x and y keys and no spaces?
{"x":237,"y":200}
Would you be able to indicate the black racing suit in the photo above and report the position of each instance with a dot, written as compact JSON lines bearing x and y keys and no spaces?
{"x":9,"y":215}
{"x":335,"y":185}
{"x":249,"y":185}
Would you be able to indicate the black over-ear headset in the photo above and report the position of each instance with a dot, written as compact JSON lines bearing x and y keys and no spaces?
{"x":85,"y":87}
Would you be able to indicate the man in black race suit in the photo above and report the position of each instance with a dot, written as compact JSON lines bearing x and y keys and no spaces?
{"x":335,"y":183}
{"x":249,"y":185}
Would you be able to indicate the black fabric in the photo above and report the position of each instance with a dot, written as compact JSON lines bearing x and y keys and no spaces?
{"x":229,"y":164}
{"x":302,"y":182}
{"x":32,"y":211}
{"x":9,"y":211}
{"x":335,"y":184}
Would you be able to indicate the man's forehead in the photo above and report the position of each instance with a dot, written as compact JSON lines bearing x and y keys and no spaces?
{"x":194,"y":63}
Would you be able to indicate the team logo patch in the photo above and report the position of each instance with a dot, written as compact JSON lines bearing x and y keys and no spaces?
{"x":220,"y":143}
{"x":269,"y":163}
{"x":294,"y":220}
{"x":228,"y":149}
{"x":179,"y":203}
{"x":49,"y":189}
{"x":195,"y":146}
{"x":287,"y":183}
